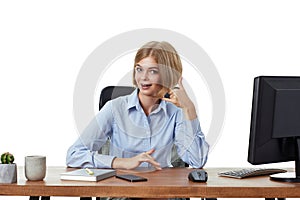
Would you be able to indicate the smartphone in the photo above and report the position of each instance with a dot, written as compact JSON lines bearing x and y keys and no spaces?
{"x":131,"y":177}
{"x":167,"y":95}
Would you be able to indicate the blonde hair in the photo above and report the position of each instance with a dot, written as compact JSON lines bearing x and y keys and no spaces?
{"x":168,"y":61}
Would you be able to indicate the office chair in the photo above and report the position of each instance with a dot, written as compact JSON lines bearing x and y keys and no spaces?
{"x":112,"y":92}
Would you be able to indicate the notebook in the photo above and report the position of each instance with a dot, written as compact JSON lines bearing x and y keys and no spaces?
{"x":84,"y":175}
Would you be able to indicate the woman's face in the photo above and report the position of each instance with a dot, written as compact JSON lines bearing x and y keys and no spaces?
{"x":147,"y":77}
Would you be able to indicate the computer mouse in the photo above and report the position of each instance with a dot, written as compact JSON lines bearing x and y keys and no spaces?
{"x":198,"y":175}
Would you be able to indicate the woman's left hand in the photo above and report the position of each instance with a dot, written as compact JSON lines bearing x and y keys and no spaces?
{"x":180,"y":98}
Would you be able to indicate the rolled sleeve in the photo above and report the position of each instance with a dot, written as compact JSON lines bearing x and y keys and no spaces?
{"x":192,"y":146}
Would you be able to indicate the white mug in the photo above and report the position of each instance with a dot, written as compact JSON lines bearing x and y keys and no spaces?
{"x":35,"y":168}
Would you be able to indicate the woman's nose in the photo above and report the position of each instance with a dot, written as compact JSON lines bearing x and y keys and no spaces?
{"x":144,"y":75}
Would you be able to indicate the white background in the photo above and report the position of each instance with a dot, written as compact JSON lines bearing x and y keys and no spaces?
{"x":43,"y":45}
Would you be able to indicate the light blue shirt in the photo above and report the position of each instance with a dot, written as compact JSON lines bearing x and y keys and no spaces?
{"x":132,"y":132}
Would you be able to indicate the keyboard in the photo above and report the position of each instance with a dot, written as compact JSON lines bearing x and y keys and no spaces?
{"x":250,"y":172}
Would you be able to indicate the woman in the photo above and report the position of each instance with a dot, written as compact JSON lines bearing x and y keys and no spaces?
{"x":143,"y":126}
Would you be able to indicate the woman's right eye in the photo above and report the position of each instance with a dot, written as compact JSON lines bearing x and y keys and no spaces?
{"x":138,"y":69}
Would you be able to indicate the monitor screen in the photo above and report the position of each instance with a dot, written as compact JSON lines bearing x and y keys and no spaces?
{"x":275,"y":121}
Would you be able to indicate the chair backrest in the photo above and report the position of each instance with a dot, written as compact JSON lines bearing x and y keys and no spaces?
{"x":112,"y":92}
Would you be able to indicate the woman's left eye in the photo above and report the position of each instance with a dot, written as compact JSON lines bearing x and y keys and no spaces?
{"x":154,"y":72}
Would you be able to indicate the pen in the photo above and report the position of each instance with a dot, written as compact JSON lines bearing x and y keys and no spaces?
{"x":90,"y":172}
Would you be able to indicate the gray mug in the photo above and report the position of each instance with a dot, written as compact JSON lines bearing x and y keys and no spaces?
{"x":35,"y":168}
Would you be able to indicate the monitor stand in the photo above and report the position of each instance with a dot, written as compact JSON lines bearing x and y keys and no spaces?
{"x":290,"y":176}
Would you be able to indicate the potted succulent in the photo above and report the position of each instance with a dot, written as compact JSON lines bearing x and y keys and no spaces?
{"x":8,"y":169}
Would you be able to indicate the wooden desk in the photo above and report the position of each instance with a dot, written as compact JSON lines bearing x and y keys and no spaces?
{"x":167,"y":183}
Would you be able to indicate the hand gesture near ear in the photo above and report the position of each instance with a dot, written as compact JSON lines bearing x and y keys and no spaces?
{"x":180,"y":98}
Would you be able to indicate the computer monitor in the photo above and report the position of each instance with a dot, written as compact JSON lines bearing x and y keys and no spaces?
{"x":275,"y":123}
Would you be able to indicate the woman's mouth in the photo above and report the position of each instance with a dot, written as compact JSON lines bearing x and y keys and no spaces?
{"x":146,"y":86}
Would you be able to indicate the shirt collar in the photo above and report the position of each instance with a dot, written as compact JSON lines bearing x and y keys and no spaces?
{"x":133,"y":101}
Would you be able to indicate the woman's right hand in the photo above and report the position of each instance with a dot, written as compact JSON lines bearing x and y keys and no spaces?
{"x":131,"y":163}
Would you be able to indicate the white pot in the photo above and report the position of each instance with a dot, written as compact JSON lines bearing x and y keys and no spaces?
{"x":8,"y":173}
